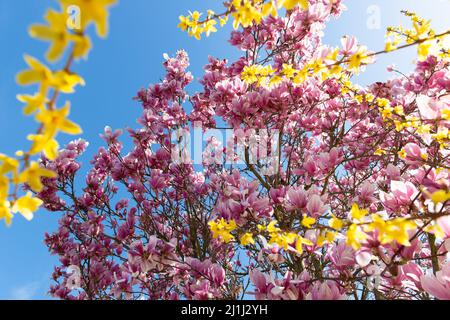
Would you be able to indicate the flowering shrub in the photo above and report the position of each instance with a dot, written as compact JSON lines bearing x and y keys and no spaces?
{"x":66,"y":31}
{"x":349,"y":199}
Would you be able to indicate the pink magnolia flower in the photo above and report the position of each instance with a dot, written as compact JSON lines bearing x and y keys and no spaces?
{"x":364,"y":257}
{"x":402,"y":193}
{"x":158,"y":180}
{"x":412,"y":272}
{"x":415,"y":247}
{"x":366,"y":193}
{"x":277,"y":195}
{"x":315,"y":206}
{"x":201,"y":290}
{"x":318,"y":12}
{"x":311,"y":167}
{"x":342,"y":255}
{"x":329,"y":160}
{"x":349,"y":45}
{"x":390,"y":68}
{"x":392,"y":172}
{"x":444,"y":224}
{"x":217,"y":274}
{"x":259,"y":280}
{"x":414,"y":154}
{"x":438,"y":285}
{"x":327,"y":290}
{"x":296,"y":199}
{"x":429,"y":108}
{"x":433,"y":180}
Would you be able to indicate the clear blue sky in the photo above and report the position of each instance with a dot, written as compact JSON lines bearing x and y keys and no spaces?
{"x":130,"y":58}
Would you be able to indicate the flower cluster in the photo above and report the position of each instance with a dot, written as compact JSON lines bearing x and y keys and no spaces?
{"x":355,"y":204}
{"x":430,"y":42}
{"x":244,"y":13}
{"x":66,"y":31}
{"x":351,"y":58}
{"x":338,"y":63}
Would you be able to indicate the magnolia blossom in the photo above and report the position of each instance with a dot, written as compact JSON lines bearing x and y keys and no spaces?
{"x":402,"y":193}
{"x":438,"y":285}
{"x":325,"y":291}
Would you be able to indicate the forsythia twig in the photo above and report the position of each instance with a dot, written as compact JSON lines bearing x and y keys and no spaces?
{"x":63,"y":29}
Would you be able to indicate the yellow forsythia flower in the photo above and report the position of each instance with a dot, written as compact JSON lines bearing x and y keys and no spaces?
{"x":92,"y":11}
{"x":271,"y":227}
{"x":58,"y":34}
{"x":45,"y":144}
{"x":33,"y":174}
{"x":358,"y":213}
{"x":222,"y":229}
{"x":355,"y":236}
{"x":33,"y":103}
{"x":291,"y":4}
{"x":38,"y":73}
{"x":300,"y":242}
{"x":283,"y":239}
{"x":247,"y":239}
{"x":27,"y":205}
{"x":66,"y":82}
{"x":55,"y":121}
{"x":440,"y":196}
{"x":5,"y":212}
{"x":307,"y":222}
{"x":8,"y":165}
{"x":329,"y":237}
{"x":394,"y":230}
{"x":4,"y":188}
{"x":335,"y":223}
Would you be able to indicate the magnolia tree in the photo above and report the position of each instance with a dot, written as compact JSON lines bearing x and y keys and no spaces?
{"x":322,"y":190}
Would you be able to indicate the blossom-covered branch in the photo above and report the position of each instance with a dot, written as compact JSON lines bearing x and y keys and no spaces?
{"x":348,"y":198}
{"x":66,"y":31}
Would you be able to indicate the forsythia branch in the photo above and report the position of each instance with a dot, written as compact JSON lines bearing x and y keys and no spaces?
{"x":62,"y":31}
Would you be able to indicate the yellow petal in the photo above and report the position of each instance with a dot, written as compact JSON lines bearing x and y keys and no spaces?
{"x":41,"y":32}
{"x":56,"y":50}
{"x":82,"y":46}
{"x":70,"y":127}
{"x":51,"y":149}
{"x":27,"y":205}
{"x":28,"y":77}
{"x":5,"y":212}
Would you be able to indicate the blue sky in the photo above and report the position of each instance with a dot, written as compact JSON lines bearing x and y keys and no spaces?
{"x":130,"y":58}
